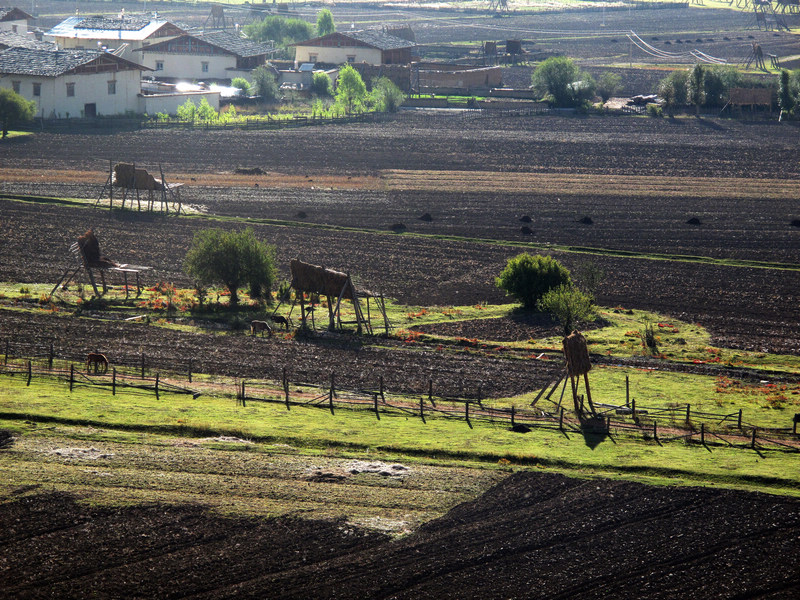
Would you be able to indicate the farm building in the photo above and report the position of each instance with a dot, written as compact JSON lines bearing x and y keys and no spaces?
{"x":124,"y":34}
{"x":14,"y":20}
{"x":371,"y":47}
{"x":73,"y":83}
{"x":211,"y":55}
{"x":9,"y":39}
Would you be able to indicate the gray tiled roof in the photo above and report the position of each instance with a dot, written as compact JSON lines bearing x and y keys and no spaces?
{"x":45,"y":63}
{"x":12,"y":13}
{"x":233,"y":43}
{"x":9,"y":39}
{"x":378,"y":39}
{"x":113,"y":23}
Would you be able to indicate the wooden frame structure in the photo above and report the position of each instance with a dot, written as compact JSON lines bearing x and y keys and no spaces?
{"x":314,"y":279}
{"x":86,"y":251}
{"x":576,"y":353}
{"x":128,"y":178}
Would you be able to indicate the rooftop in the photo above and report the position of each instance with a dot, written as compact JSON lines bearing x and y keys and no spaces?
{"x":50,"y":63}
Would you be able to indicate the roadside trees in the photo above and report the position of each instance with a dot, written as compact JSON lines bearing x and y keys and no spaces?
{"x":232,"y":259}
{"x":14,"y":109}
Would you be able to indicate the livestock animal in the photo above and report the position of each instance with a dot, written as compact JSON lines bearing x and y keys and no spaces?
{"x":98,"y":361}
{"x":280,"y":321}
{"x":260,"y":327}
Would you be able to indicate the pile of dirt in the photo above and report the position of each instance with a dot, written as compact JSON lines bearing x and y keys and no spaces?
{"x":534,"y":535}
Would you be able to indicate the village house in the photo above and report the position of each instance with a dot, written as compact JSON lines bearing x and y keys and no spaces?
{"x":9,"y":39}
{"x":14,"y":20}
{"x":72,"y":83}
{"x":121,"y":33}
{"x":207,"y":56}
{"x":371,"y":47}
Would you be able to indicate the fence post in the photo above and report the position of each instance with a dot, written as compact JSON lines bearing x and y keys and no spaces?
{"x":286,"y":389}
{"x":114,"y":381}
{"x":753,"y":441}
{"x":633,"y":409}
{"x":740,"y":419}
{"x":655,"y":431}
{"x":688,"y":412}
{"x":421,"y":410}
{"x":50,"y":358}
{"x":243,"y":394}
{"x":190,"y":370}
{"x":466,"y":413}
{"x":29,"y":373}
{"x":156,"y":384}
{"x":71,"y":375}
{"x":143,"y":367}
{"x":330,"y":395}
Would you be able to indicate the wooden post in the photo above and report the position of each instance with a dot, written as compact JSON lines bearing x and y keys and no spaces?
{"x":739,"y":425}
{"x":688,"y":412}
{"x":466,"y":413}
{"x":142,"y":365}
{"x":753,"y":441}
{"x":50,"y":358}
{"x":627,"y":391}
{"x":633,"y":409}
{"x":655,"y":431}
{"x":29,"y":373}
{"x":71,"y":375}
{"x":330,"y":394}
{"x":157,"y":386}
{"x":190,"y":370}
{"x":286,"y":388}
{"x":114,"y":381}
{"x":561,"y":420}
{"x":421,"y":410}
{"x":244,"y":394}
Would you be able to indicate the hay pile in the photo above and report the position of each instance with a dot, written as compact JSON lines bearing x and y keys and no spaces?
{"x":576,"y":352}
{"x":90,"y":248}
{"x":319,"y":280}
{"x":128,"y":177}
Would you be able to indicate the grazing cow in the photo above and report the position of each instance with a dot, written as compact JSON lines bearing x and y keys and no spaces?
{"x":260,"y":326}
{"x":280,"y":321}
{"x":98,"y":360}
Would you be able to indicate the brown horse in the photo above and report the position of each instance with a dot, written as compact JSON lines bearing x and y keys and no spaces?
{"x":98,"y":360}
{"x":279,"y":320}
{"x":260,"y":326}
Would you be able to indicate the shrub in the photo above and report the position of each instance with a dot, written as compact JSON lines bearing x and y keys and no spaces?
{"x":674,"y":90}
{"x":560,"y":78}
{"x":321,"y":84}
{"x":242,"y":84}
{"x":14,"y":109}
{"x":654,"y":110}
{"x":386,"y":96}
{"x":187,"y":111}
{"x":281,"y":30}
{"x":232,"y":259}
{"x":608,"y":84}
{"x":567,"y":304}
{"x":527,"y":277}
{"x":350,"y":90}
{"x":264,"y":84}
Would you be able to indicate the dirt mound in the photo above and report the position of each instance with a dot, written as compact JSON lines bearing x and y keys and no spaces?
{"x":534,"y":535}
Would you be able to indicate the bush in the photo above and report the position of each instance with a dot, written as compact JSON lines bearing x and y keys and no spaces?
{"x":674,"y":90}
{"x":386,"y":96}
{"x":567,"y":304}
{"x":350,"y":90}
{"x":281,"y":30}
{"x":608,"y":84}
{"x":242,"y":84}
{"x":14,"y":109}
{"x":559,"y":78}
{"x":321,"y":84}
{"x":264,"y":84}
{"x":654,"y":110}
{"x":231,"y":259}
{"x":527,"y":278}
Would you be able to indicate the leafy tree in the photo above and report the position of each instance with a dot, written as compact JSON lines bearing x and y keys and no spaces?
{"x":14,"y":109}
{"x":567,"y":304}
{"x":232,"y":259}
{"x":242,"y":84}
{"x":350,"y":90}
{"x":673,"y":89}
{"x":608,"y":84}
{"x":560,"y":78}
{"x":386,"y":96}
{"x":527,"y":277}
{"x":206,"y":112}
{"x":321,"y":84}
{"x":187,"y":111}
{"x":718,"y":83}
{"x":325,"y":24}
{"x":697,"y":89}
{"x":281,"y":30}
{"x":264,"y":84}
{"x":786,"y":99}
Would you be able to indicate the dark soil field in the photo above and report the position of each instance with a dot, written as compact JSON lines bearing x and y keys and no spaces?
{"x":531,"y":536}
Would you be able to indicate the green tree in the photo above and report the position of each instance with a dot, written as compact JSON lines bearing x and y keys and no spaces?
{"x":697,"y":87}
{"x":321,"y":84}
{"x":386,"y":96}
{"x":264,"y":84}
{"x":527,"y":277}
{"x":325,"y":24}
{"x":14,"y":109}
{"x":786,"y":99}
{"x":242,"y":84}
{"x":560,"y":78}
{"x":608,"y":84}
{"x":673,"y":89}
{"x":187,"y":111}
{"x":232,"y":259}
{"x":718,"y":83}
{"x":350,"y":90}
{"x":206,"y":112}
{"x":279,"y":29}
{"x":567,"y":304}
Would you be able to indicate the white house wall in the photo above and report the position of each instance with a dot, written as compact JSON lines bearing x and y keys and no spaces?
{"x":19,"y":26}
{"x":90,"y":88}
{"x":338,"y":55}
{"x":168,"y":103}
{"x":188,"y":66}
{"x":112,"y":44}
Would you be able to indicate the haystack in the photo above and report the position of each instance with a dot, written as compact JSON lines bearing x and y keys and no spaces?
{"x":129,"y":177}
{"x":576,"y":352}
{"x":90,"y":249}
{"x":314,"y":279}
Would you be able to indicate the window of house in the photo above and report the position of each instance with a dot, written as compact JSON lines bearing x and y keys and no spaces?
{"x":351,"y":58}
{"x":312,"y":58}
{"x":159,"y":65}
{"x":70,"y":89}
{"x":204,"y":67}
{"x":14,"y":28}
{"x":112,"y":88}
{"x":15,"y":85}
{"x":37,"y":89}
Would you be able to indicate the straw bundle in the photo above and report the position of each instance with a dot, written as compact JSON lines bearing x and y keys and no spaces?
{"x":576,"y":352}
{"x":319,"y":280}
